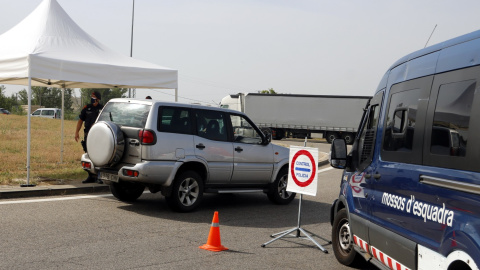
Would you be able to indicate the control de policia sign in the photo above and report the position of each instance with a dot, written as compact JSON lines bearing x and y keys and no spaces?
{"x":302,"y":173}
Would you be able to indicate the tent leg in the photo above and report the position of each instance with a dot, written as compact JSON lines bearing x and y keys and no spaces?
{"x":176,"y":94}
{"x":29,"y":128}
{"x":62,"y":113}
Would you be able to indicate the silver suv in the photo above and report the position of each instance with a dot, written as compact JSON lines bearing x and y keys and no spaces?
{"x":183,"y":151}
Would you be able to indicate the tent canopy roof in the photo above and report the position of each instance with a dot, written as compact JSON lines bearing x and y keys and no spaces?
{"x":52,"y":49}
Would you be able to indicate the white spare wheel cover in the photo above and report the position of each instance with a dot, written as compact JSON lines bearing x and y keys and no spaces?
{"x":105,"y":143}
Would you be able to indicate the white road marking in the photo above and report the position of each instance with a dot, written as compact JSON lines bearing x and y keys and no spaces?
{"x":57,"y":199}
{"x":89,"y":196}
{"x":326,"y":169}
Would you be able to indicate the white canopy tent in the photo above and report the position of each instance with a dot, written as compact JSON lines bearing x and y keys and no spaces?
{"x":49,"y":49}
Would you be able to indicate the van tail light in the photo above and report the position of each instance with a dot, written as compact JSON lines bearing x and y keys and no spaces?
{"x":147,"y":137}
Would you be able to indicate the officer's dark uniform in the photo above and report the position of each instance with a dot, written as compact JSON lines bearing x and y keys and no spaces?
{"x":88,"y":115}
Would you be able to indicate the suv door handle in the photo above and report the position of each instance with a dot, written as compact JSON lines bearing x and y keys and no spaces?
{"x":377,"y":176}
{"x":200,"y":146}
{"x":238,"y":149}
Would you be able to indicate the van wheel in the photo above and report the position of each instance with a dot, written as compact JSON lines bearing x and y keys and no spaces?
{"x":331,"y":136}
{"x":277,"y":192}
{"x":342,"y":240}
{"x":126,"y":191}
{"x":187,"y":192}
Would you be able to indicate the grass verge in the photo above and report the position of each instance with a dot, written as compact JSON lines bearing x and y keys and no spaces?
{"x":45,"y":151}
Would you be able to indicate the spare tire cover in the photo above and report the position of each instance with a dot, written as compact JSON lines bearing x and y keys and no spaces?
{"x":105,"y":143}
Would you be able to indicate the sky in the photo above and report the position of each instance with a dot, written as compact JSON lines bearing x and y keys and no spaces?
{"x":222,"y":47}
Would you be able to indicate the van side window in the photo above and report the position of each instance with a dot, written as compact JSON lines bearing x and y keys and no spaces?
{"x":211,"y":125}
{"x":401,"y":119}
{"x":451,"y":125}
{"x":404,"y":124}
{"x":367,"y":138}
{"x":175,"y":120}
{"x":47,"y":112}
{"x":451,"y":118}
{"x":367,"y":133}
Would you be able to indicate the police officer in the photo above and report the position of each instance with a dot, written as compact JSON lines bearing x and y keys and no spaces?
{"x":88,"y":115}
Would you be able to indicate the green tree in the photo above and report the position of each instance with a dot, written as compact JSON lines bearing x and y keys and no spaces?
{"x":9,"y":103}
{"x":22,"y":94}
{"x":3,"y":98}
{"x":269,"y":91}
{"x":49,"y":97}
{"x":107,"y":94}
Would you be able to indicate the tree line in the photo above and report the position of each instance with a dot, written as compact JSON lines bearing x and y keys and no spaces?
{"x":51,"y":97}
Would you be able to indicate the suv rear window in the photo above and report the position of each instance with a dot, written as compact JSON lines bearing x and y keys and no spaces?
{"x":175,"y":120}
{"x":125,"y":114}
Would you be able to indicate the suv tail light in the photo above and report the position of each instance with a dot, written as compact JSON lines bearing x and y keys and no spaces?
{"x":147,"y":136}
{"x":130,"y":173}
{"x":86,"y":165}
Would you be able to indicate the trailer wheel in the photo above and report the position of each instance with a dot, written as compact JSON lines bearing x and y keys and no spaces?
{"x":331,"y":136}
{"x":267,"y":132}
{"x":279,"y":134}
{"x":348,"y":137}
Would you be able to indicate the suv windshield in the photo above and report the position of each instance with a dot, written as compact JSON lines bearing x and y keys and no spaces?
{"x":125,"y":114}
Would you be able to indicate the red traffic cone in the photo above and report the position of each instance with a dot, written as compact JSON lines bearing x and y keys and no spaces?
{"x":214,"y":243}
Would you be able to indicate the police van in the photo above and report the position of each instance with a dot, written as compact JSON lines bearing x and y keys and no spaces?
{"x":410,"y":191}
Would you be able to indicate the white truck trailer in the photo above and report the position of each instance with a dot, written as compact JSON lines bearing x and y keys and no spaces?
{"x":289,"y":115}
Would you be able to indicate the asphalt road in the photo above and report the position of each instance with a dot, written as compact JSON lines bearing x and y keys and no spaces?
{"x":100,"y":232}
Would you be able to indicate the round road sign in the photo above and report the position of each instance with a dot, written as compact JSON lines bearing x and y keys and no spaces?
{"x":303,"y":168}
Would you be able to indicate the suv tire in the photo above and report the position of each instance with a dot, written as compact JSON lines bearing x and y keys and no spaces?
{"x":105,"y":143}
{"x":127,"y":191}
{"x":277,"y":192}
{"x":187,"y":192}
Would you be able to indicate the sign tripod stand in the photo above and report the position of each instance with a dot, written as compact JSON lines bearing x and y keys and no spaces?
{"x":298,"y":229}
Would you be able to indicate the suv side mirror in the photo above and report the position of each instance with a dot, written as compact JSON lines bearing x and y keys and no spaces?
{"x":338,"y":154}
{"x":267,"y":138}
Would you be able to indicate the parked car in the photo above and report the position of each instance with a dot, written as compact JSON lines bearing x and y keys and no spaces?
{"x":53,"y":113}
{"x":4,"y":111}
{"x":183,"y":151}
{"x":410,"y":190}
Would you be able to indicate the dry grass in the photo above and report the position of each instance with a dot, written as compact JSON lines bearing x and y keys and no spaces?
{"x":44,"y":151}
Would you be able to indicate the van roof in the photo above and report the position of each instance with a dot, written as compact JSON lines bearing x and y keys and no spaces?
{"x":437,"y":47}
{"x":455,"y":53}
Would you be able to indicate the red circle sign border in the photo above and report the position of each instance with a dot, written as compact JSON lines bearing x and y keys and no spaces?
{"x":292,"y":172}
